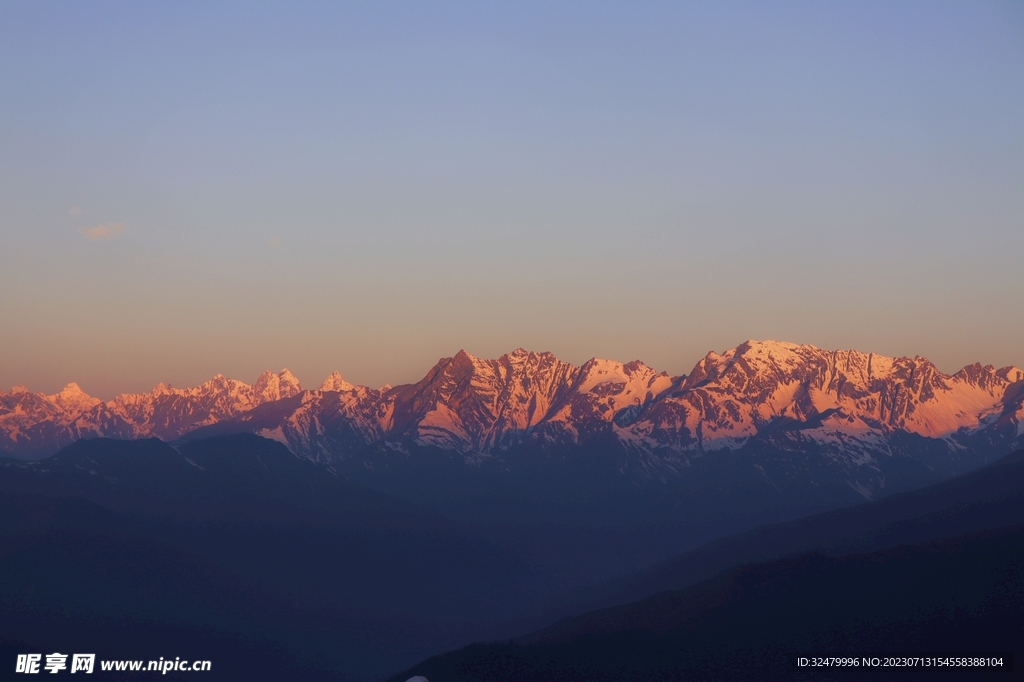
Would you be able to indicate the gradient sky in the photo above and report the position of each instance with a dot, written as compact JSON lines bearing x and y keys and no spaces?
{"x":194,"y":188}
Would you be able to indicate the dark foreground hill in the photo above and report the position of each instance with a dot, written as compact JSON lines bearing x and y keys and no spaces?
{"x":235,"y":550}
{"x":989,"y":498}
{"x":958,"y":595}
{"x":75,"y":577}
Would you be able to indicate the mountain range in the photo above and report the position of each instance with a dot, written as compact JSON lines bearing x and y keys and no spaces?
{"x":853,"y":413}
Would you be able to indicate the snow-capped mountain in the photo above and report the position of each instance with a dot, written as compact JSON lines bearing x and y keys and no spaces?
{"x":846,"y":407}
{"x":485,"y":407}
{"x":478,"y":408}
{"x":37,"y":424}
{"x":481,"y":406}
{"x":832,"y":395}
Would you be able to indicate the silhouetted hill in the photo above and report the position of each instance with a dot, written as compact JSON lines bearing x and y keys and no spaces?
{"x":236,"y":546}
{"x":76,"y":577}
{"x":991,"y":497}
{"x":954,"y":596}
{"x":238,"y":540}
{"x":239,"y":478}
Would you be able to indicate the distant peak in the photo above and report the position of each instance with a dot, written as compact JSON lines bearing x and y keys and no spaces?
{"x":218,"y":380}
{"x":73,"y":398}
{"x":770,"y":344}
{"x":639,"y":365}
{"x":522,"y":356}
{"x":600,"y":363}
{"x":1011,"y":373}
{"x":19,"y":389}
{"x":289,"y":380}
{"x":271,"y":386}
{"x":335,"y":382}
{"x":461,"y":361}
{"x":518,"y":356}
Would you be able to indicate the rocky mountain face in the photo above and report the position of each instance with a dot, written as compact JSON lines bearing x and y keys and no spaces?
{"x":34,"y":424}
{"x":842,"y":399}
{"x":848,"y":410}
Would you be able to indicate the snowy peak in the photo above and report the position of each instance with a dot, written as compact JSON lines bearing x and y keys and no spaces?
{"x":28,"y":418}
{"x":988,"y":377}
{"x":486,"y":406}
{"x":1012,"y":374}
{"x":73,"y":400}
{"x":730,"y":397}
{"x":474,"y":405}
{"x":335,"y":382}
{"x":270,"y":386}
{"x":607,"y":390}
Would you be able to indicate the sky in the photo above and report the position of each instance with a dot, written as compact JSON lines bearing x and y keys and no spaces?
{"x":197,"y":188}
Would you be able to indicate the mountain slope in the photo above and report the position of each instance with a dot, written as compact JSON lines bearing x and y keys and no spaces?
{"x":989,"y":498}
{"x":343,"y":580}
{"x":748,"y":624}
{"x":77,"y":577}
{"x":223,"y":480}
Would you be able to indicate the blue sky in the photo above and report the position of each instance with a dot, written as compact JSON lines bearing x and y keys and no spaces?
{"x":191,"y":189}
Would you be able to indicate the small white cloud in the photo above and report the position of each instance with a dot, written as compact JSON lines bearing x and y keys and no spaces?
{"x":76,"y":211}
{"x":102,"y":231}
